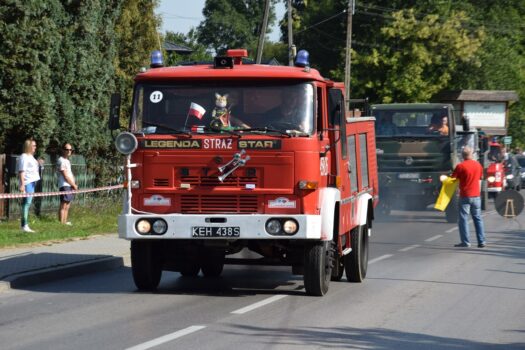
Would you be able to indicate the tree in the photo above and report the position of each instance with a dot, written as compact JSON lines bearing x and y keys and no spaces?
{"x":232,"y":23}
{"x":418,"y":57}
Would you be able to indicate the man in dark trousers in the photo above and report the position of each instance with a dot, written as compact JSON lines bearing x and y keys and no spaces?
{"x":469,"y":173}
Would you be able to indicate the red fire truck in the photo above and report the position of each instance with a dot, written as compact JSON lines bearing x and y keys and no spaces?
{"x":496,"y":181}
{"x":238,"y":163}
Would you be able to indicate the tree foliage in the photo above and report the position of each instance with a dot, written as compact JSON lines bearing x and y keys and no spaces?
{"x":199,"y":54}
{"x":407,"y":50}
{"x":233,"y":23}
{"x":60,"y":61}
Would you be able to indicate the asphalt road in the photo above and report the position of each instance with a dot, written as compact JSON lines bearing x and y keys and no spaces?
{"x":420,"y":293}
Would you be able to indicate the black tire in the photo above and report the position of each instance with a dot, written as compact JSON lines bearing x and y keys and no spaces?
{"x":146,"y":264}
{"x":190,"y":268}
{"x":213,"y":266}
{"x":452,"y":211}
{"x":356,"y":262}
{"x":317,"y":268}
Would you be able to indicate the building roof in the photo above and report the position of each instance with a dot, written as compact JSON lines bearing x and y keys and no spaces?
{"x":479,"y":95}
{"x":169,"y":46}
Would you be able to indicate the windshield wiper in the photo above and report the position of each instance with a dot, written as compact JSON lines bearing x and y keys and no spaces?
{"x":175,"y":130}
{"x":265,"y":130}
{"x":217,"y":130}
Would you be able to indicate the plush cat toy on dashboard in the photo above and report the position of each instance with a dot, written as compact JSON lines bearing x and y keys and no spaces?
{"x":221,"y":113}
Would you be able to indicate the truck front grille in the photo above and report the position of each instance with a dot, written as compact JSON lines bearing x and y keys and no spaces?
{"x":208,"y":204}
{"x":213,"y":181}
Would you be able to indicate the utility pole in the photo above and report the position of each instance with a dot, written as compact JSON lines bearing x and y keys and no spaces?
{"x":262,"y":36}
{"x":291,"y":47}
{"x":348,"y":52}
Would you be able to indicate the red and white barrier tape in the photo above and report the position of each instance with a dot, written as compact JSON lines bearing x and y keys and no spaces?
{"x":45,"y":194}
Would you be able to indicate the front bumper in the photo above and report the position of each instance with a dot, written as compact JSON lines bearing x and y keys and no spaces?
{"x":251,"y":226}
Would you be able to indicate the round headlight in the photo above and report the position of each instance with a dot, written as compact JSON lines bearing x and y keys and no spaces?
{"x":491,"y":179}
{"x":443,"y":178}
{"x":290,"y":227}
{"x":510,"y":176}
{"x":160,"y":227}
{"x":273,"y":226}
{"x":143,"y":226}
{"x":126,"y":143}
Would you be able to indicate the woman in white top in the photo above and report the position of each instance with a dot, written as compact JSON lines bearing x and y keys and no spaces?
{"x":28,"y":173}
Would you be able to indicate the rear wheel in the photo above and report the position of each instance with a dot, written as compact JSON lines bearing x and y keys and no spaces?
{"x":356,"y":262}
{"x":213,"y":265}
{"x":317,"y":268}
{"x":146,"y":264}
{"x":190,"y":268}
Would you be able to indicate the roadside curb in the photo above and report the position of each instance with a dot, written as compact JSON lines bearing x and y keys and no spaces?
{"x":62,"y":272}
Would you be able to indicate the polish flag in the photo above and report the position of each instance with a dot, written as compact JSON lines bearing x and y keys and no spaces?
{"x":196,"y":110}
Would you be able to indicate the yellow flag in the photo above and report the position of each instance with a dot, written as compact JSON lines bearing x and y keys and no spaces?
{"x":448,"y":189}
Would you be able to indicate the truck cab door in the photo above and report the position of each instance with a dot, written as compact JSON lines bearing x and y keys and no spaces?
{"x":340,"y":165}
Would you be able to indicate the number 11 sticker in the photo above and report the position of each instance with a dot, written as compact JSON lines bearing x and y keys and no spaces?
{"x":155,"y":97}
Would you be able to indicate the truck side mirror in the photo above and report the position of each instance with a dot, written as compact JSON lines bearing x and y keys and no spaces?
{"x":114,"y":112}
{"x":465,"y":122}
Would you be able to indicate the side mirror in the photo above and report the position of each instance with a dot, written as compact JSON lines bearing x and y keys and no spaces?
{"x":465,"y":122}
{"x":114,"y":112}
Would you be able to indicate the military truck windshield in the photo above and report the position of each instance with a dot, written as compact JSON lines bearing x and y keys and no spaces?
{"x":411,"y":123}
{"x":217,"y":107}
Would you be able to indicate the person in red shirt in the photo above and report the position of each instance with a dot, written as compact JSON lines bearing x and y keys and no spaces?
{"x":469,"y":173}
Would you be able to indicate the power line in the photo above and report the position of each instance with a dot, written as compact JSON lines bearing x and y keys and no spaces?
{"x":321,"y":22}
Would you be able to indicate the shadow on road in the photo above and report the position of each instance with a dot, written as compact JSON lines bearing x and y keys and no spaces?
{"x":358,"y":338}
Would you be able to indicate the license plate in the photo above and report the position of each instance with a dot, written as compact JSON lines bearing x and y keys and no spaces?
{"x":207,"y":231}
{"x":408,"y":176}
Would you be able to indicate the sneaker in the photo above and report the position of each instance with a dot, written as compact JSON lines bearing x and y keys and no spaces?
{"x":69,"y":223}
{"x":26,"y":228}
{"x":462,"y":245}
{"x":481,"y":245}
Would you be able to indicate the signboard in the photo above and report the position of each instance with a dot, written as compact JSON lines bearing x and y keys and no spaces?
{"x":485,"y":114}
{"x":507,"y":140}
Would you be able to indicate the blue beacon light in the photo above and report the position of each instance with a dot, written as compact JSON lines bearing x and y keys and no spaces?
{"x":156,"y":59}
{"x":302,"y":59}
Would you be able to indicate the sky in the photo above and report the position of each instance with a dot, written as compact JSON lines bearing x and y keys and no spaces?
{"x":181,"y":15}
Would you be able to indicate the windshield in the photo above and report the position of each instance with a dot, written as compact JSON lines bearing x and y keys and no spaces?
{"x":217,"y":107}
{"x":411,"y":122}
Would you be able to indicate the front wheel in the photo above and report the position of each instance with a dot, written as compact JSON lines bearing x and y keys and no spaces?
{"x":146,"y":264}
{"x":356,"y":262}
{"x":317,"y":268}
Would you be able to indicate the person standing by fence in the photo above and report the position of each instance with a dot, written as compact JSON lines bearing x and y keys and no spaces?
{"x":28,"y":173}
{"x":66,"y":182}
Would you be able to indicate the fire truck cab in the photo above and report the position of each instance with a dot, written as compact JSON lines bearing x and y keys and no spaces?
{"x":240,"y":163}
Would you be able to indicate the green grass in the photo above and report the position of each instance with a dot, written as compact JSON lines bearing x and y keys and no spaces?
{"x":86,"y":222}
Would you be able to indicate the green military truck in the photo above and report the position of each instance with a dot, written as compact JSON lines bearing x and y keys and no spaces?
{"x":417,"y":143}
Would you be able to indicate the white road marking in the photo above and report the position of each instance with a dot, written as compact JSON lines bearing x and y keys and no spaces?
{"x":166,"y":338}
{"x":451,"y":230}
{"x":258,"y":304}
{"x":406,"y":249}
{"x":382,"y":257}
{"x":433,"y":238}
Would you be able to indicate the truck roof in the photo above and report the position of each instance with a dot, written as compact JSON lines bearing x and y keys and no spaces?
{"x":409,"y":106}
{"x":241,"y":71}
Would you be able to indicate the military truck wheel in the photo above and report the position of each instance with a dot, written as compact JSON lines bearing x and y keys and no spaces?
{"x":212,"y":266}
{"x":452,"y":211}
{"x":146,"y":265}
{"x":317,"y":268}
{"x":356,"y":262}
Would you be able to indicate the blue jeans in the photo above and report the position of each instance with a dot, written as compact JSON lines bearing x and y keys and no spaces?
{"x":26,"y":203}
{"x":472,"y":206}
